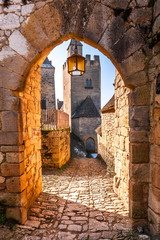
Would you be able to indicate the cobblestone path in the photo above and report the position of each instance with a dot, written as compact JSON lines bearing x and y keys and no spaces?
{"x":77,"y":203}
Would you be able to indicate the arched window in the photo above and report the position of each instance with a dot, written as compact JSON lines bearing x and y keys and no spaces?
{"x":90,"y":83}
{"x":87,"y":83}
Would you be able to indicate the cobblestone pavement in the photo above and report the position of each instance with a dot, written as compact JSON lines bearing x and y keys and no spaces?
{"x":77,"y":203}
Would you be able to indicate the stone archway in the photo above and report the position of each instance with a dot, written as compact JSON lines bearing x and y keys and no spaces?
{"x":90,"y":145}
{"x":113,"y":27}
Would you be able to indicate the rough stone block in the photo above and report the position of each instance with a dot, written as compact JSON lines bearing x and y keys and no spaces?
{"x":10,"y":80}
{"x":154,"y":199}
{"x":9,"y":21}
{"x":8,"y":101}
{"x":9,"y":170}
{"x":139,"y":136}
{"x":139,"y":117}
{"x":140,"y":96}
{"x":139,"y":172}
{"x":155,"y":175}
{"x":16,"y":184}
{"x":1,"y":157}
{"x":53,"y":29}
{"x":10,"y":138}
{"x":136,"y":191}
{"x":138,"y":210}
{"x":14,"y":157}
{"x":34,"y":33}
{"x":97,"y":26}
{"x":19,"y":148}
{"x":19,"y":43}
{"x":139,"y":153}
{"x":154,"y":220}
{"x":10,"y":121}
{"x":17,"y":213}
{"x":132,"y":65}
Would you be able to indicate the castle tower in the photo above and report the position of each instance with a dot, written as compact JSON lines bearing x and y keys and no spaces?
{"x":47,"y":85}
{"x":77,"y":88}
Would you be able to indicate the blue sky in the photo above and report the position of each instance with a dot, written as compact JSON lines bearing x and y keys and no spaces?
{"x":59,"y":55}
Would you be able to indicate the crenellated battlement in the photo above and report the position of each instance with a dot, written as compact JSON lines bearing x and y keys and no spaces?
{"x":94,"y":62}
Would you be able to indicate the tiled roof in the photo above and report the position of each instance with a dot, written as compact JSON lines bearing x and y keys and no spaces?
{"x":109,"y":105}
{"x":86,"y":109}
{"x":47,"y":64}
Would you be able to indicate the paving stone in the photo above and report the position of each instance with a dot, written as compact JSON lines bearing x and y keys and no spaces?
{"x":89,"y":210}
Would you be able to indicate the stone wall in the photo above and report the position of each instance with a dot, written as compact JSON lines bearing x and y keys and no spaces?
{"x":55,"y":147}
{"x":107,"y":140}
{"x":48,"y":87}
{"x":154,"y":176}
{"x":20,"y":159}
{"x":121,"y":141}
{"x":84,"y":128}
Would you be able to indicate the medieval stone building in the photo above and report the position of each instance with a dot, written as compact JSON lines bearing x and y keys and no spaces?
{"x":127,"y":32}
{"x":82,"y":94}
{"x":47,"y":85}
{"x":106,"y":133}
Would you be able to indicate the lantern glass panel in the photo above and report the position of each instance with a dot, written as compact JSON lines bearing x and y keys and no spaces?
{"x":81,"y":64}
{"x":71,"y":63}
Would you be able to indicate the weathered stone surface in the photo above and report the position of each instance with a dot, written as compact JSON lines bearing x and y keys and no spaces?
{"x":133,"y":64}
{"x":98,"y":27}
{"x":9,"y":21}
{"x":156,"y":176}
{"x":8,"y":169}
{"x":19,"y":214}
{"x":10,"y":121}
{"x":139,"y":172}
{"x":53,"y":29}
{"x":140,"y":153}
{"x":16,"y":184}
{"x":140,"y":96}
{"x":1,"y":157}
{"x":9,"y":138}
{"x":19,"y":43}
{"x":35,"y":34}
{"x":10,"y":79}
{"x":139,"y":136}
{"x":139,"y":117}
{"x":12,"y":60}
{"x":27,"y":9}
{"x":14,"y":157}
{"x":141,"y":15}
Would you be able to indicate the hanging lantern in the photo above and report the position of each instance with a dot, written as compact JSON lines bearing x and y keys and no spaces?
{"x":76,"y":64}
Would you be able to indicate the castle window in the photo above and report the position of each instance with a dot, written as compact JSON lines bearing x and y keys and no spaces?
{"x":88,"y":84}
{"x":43,"y":104}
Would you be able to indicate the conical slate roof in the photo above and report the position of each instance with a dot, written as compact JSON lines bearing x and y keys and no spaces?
{"x":47,"y":63}
{"x":86,"y":109}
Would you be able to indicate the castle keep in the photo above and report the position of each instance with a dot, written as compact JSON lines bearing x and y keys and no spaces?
{"x":47,"y":85}
{"x":82,"y":96}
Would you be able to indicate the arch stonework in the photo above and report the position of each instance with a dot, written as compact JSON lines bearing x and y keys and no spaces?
{"x":123,"y":31}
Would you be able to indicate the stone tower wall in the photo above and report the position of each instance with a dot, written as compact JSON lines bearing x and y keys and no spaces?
{"x":75,"y":90}
{"x":48,"y":87}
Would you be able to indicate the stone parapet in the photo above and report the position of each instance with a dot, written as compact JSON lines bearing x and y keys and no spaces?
{"x":55,"y":147}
